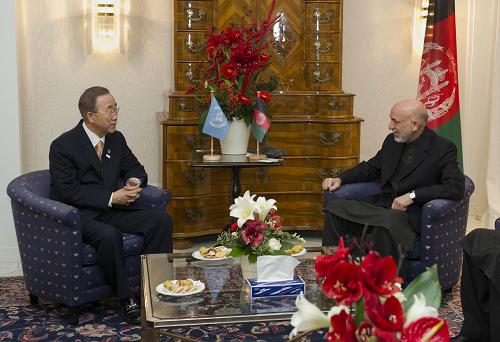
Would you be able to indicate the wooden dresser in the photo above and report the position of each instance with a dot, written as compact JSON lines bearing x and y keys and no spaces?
{"x":312,"y":118}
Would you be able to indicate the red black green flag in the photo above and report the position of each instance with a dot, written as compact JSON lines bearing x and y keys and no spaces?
{"x":261,"y":121}
{"x":438,"y":79}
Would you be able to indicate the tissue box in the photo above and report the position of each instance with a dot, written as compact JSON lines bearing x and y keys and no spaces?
{"x":276,"y":288}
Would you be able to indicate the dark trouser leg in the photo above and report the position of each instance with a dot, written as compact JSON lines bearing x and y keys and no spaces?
{"x":155,"y":225}
{"x":336,"y":227}
{"x":381,"y":240}
{"x":109,"y":244}
{"x":474,"y":292}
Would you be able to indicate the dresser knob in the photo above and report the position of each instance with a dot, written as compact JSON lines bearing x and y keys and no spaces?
{"x":191,"y":16}
{"x":329,"y":138}
{"x":322,"y":50}
{"x":317,"y":77}
{"x":320,"y":206}
{"x":196,"y":214}
{"x":195,"y":46}
{"x":322,"y":18}
{"x":328,"y":173}
{"x":335,"y":105}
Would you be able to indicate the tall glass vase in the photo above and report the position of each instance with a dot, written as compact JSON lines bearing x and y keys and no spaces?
{"x":248,"y":270}
{"x":236,"y":140}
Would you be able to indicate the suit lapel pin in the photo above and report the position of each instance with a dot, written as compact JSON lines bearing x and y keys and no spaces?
{"x":108,"y":156}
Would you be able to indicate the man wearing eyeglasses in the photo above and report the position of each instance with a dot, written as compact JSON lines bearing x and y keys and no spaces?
{"x":86,"y":165}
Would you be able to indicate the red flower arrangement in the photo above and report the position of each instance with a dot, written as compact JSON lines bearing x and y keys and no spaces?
{"x":370,"y":305}
{"x":236,"y":57}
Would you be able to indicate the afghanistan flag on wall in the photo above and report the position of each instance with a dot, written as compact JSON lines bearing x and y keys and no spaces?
{"x":438,"y":79}
{"x":261,"y":121}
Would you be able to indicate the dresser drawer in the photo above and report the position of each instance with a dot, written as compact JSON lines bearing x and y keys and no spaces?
{"x":199,"y":215}
{"x":322,"y":76}
{"x":322,"y":47}
{"x":191,"y":46}
{"x":183,"y":180}
{"x":185,"y":107}
{"x":296,"y":174}
{"x":300,"y":105}
{"x":193,"y":15}
{"x":315,"y":139}
{"x":323,"y":17}
{"x":181,"y":141}
{"x":187,"y":73}
{"x":336,"y":105}
{"x":300,"y":211}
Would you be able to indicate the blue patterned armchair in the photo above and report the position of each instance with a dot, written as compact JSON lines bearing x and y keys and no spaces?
{"x":497,"y":224}
{"x":57,"y":265}
{"x":443,"y":227}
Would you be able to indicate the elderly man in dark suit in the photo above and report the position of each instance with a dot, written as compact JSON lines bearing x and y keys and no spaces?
{"x":414,"y":166}
{"x":86,"y":165}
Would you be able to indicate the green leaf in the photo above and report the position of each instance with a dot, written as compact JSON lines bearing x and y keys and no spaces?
{"x":237,"y":251}
{"x":427,"y":284}
{"x":252,"y":258}
{"x":286,"y":245}
{"x":359,"y":316}
{"x":228,"y":83}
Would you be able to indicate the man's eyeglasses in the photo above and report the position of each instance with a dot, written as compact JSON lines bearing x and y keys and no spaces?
{"x":110,"y":111}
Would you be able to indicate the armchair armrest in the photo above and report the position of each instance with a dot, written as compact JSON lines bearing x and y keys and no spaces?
{"x":56,"y":211}
{"x":354,"y":191}
{"x":497,"y":224}
{"x":154,"y":197}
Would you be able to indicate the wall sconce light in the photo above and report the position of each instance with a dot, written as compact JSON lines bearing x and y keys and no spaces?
{"x":420,"y":14}
{"x":106,"y":26}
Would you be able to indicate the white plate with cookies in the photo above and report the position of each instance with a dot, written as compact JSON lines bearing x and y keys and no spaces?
{"x":295,"y":251}
{"x":212,"y":253}
{"x":178,"y":288}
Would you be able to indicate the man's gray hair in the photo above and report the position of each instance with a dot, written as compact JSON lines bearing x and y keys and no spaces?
{"x":423,"y":117}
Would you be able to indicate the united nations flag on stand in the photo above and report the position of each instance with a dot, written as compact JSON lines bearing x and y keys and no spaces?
{"x":216,"y":124}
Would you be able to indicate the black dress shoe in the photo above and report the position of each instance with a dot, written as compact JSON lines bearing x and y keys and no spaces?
{"x":462,"y":338}
{"x":130,"y":311}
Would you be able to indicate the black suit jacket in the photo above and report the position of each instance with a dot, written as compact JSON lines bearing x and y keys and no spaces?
{"x":434,"y":172}
{"x":80,"y":179}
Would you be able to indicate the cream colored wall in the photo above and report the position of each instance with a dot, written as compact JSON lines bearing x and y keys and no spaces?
{"x":56,"y":66}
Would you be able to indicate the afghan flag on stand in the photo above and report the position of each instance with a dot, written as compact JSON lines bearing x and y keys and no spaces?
{"x":438,"y":79}
{"x":261,"y":121}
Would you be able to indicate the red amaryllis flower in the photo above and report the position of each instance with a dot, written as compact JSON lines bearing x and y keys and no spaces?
{"x":380,"y":273}
{"x":386,"y":317}
{"x":342,"y":328}
{"x":273,"y":215}
{"x":265,"y":95}
{"x":243,"y":99}
{"x":252,"y":234}
{"x":344,"y":283}
{"x":434,"y":328}
{"x":365,"y":332}
{"x":324,"y":264}
{"x":234,"y":226}
{"x":229,"y":71}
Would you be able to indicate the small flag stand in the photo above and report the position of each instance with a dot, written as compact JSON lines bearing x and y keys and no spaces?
{"x":211,"y":156}
{"x":257,"y":155}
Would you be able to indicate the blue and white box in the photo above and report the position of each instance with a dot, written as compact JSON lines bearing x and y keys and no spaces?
{"x":276,"y":288}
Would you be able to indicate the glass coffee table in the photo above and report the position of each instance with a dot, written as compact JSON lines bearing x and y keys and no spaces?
{"x":223,"y":301}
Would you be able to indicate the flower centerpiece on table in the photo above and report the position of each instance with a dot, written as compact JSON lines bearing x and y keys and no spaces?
{"x":257,"y":230}
{"x":236,"y":57}
{"x":370,"y":305}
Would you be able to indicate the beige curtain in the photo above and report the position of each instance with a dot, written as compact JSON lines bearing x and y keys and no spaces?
{"x":493,"y":170}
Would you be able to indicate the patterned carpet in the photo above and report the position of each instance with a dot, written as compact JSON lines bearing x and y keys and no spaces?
{"x":19,"y":321}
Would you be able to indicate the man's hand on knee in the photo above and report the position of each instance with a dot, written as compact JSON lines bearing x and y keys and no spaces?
{"x":402,"y":202}
{"x":331,"y":184}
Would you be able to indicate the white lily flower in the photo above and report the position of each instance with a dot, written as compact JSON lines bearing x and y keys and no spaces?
{"x":307,"y":317}
{"x":335,"y":310}
{"x":263,"y":207}
{"x":274,"y":244}
{"x":419,"y":310}
{"x":243,"y":208}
